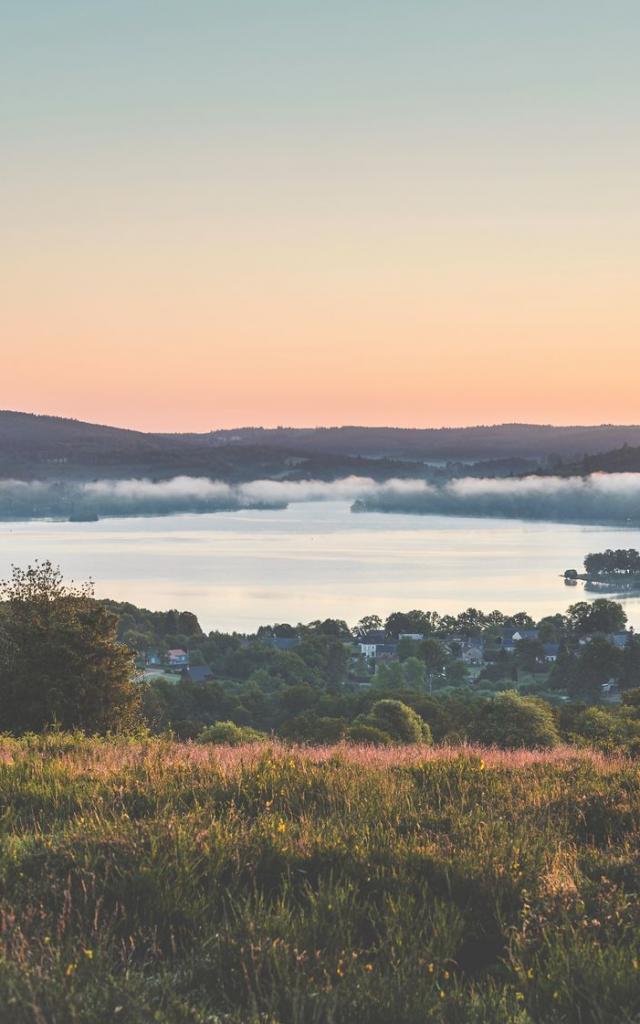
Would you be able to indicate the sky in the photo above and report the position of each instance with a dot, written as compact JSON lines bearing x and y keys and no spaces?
{"x":304,"y":212}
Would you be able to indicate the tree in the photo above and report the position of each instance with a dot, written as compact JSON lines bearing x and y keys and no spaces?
{"x":400,"y":721}
{"x":312,"y":728}
{"x":552,"y":629}
{"x":414,"y":672}
{"x":414,"y":621}
{"x":521,"y":620}
{"x":599,"y":616}
{"x":60,"y":660}
{"x":367,"y":624}
{"x":434,"y":654}
{"x":471,"y":622}
{"x":328,"y":627}
{"x":456,"y":673}
{"x":598,"y":662}
{"x":510,"y":720}
{"x":389,"y":676}
{"x":530,"y":655}
{"x":622,"y":562}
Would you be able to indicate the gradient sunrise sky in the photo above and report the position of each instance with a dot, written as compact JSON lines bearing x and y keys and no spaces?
{"x":420,"y":212}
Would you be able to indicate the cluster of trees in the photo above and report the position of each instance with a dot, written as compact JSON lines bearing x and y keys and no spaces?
{"x":69,"y":660}
{"x":60,"y":659}
{"x":507,"y":720}
{"x":621,"y":562}
{"x":468,"y":623}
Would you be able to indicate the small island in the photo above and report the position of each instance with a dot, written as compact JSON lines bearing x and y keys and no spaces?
{"x":608,"y":570}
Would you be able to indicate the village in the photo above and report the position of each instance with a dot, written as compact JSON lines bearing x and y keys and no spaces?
{"x":510,"y":652}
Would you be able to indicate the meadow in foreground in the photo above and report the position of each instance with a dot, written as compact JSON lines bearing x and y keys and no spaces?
{"x":150,"y":881}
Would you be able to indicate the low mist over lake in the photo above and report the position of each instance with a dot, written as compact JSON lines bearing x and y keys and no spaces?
{"x":594,"y":498}
{"x":315,"y":559}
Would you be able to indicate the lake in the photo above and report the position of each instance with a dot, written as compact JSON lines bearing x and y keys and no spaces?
{"x":239,"y":570}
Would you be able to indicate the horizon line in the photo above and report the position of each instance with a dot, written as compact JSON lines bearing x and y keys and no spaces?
{"x":321,"y":426}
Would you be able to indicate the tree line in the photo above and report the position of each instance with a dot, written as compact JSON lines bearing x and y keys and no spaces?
{"x":68,"y":660}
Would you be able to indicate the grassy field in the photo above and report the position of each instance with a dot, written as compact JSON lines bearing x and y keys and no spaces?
{"x":152,"y":881}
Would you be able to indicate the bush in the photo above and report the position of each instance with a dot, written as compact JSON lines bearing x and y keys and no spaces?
{"x":509,"y":720}
{"x":312,"y":728}
{"x":399,"y":721}
{"x":229,"y":734}
{"x":360,"y":732}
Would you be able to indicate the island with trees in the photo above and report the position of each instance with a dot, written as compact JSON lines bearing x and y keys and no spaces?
{"x":612,"y":570}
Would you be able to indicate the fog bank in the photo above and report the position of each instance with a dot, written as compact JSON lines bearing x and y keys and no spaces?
{"x":601,"y":497}
{"x":611,"y":498}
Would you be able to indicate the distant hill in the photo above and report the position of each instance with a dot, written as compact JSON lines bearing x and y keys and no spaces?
{"x":49,"y":447}
{"x":620,"y":460}
{"x":506,"y":439}
{"x":52,"y":448}
{"x":520,"y":440}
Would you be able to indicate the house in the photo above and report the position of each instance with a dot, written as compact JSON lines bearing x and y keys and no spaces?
{"x":472,"y":652}
{"x":177,"y":658}
{"x":375,"y":644}
{"x":152,"y":659}
{"x":411,"y":636}
{"x":368,"y":643}
{"x":511,"y":637}
{"x":386,"y":651}
{"x":551,"y":652}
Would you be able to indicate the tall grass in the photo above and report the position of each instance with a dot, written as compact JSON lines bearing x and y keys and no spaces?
{"x":151,"y":881}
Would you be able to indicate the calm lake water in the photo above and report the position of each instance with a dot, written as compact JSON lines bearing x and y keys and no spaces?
{"x":316,"y":559}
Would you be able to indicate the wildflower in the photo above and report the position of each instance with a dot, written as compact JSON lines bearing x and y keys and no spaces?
{"x":430,"y":968}
{"x":368,"y":967}
{"x":281,"y":826}
{"x":70,"y":969}
{"x":530,"y":973}
{"x":88,"y":953}
{"x":481,"y":766}
{"x":520,"y":997}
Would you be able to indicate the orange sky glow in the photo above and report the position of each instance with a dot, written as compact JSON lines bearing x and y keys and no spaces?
{"x":422,"y":220}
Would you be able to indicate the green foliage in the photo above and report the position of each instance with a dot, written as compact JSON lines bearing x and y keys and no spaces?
{"x":229,"y":734}
{"x":60,"y":661}
{"x":313,"y":728}
{"x":621,"y":562}
{"x":599,"y":616}
{"x":399,"y":721}
{"x":361,"y":732}
{"x":597,"y":663}
{"x":511,"y":720}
